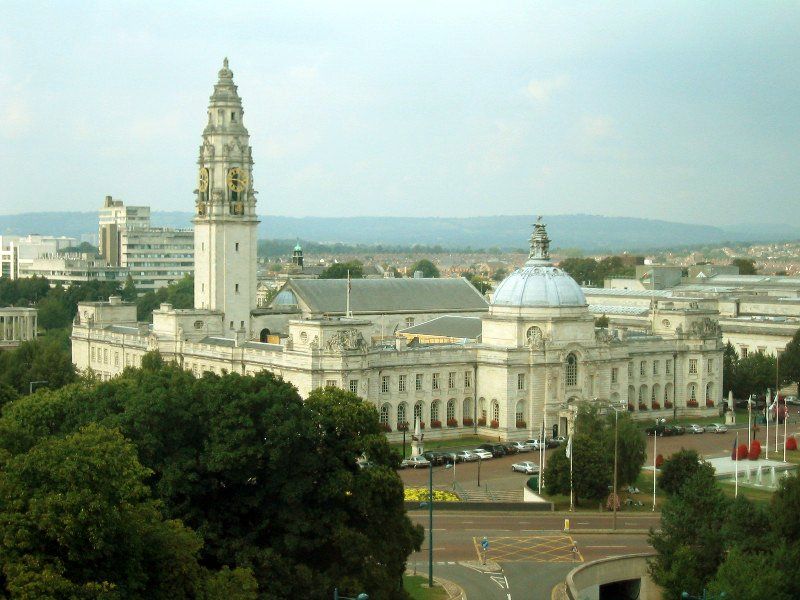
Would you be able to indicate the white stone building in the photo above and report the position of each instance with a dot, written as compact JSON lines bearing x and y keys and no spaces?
{"x":17,"y":325}
{"x":536,"y":353}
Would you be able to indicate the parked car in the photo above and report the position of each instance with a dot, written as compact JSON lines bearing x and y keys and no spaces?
{"x":560,"y":440}
{"x":792,"y":400}
{"x":511,"y":448}
{"x":525,"y":466}
{"x":659,"y":430}
{"x":532,"y":444}
{"x":466,"y":456}
{"x":416,"y":462}
{"x":550,"y":443}
{"x":716,"y":428}
{"x":520,"y":446}
{"x":435,"y":458}
{"x":483,"y":454}
{"x":677,"y":429}
{"x":497,"y":450}
{"x":693,"y":428}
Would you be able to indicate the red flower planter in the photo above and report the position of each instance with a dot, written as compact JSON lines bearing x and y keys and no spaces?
{"x":468,"y":422}
{"x":495,"y":424}
{"x":482,"y":422}
{"x":692,"y":404}
{"x":755,"y":450}
{"x":436,"y":424}
{"x":656,"y":406}
{"x":521,"y":424}
{"x":642,"y":406}
{"x":709,"y":404}
{"x":659,"y":461}
{"x":667,"y":404}
{"x":791,"y":444}
{"x":630,"y":407}
{"x":452,"y":423}
{"x":385,"y":427}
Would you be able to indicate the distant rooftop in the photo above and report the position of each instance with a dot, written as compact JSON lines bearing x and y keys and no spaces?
{"x":449,"y":326}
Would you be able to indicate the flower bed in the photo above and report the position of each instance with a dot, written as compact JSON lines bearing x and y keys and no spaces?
{"x":521,"y":424}
{"x":656,"y":406}
{"x":667,"y":404}
{"x":453,"y":423}
{"x":494,"y":424}
{"x":437,"y":424}
{"x":422,"y":495}
{"x":755,"y":450}
{"x":482,"y":422}
{"x":740,"y":453}
{"x":642,"y":406}
{"x":692,"y":404}
{"x":468,"y":422}
{"x":709,"y":404}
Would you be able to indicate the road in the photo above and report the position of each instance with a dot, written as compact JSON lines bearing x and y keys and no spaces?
{"x":532,"y":550}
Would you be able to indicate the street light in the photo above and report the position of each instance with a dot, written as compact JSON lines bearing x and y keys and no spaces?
{"x":31,"y":384}
{"x":430,"y":521}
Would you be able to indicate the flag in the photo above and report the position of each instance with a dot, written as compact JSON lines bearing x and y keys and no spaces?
{"x":569,"y":447}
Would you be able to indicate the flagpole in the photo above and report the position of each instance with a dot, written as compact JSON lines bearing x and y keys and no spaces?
{"x":571,"y":494}
{"x":749,"y":419}
{"x":541,"y":466}
{"x":766,"y":414}
{"x":655,"y":437}
{"x":736,"y":461}
{"x":785,"y":419}
{"x":777,"y":422}
{"x":347,"y":309}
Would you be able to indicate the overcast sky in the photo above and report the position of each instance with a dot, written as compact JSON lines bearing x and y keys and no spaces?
{"x":686,"y":111}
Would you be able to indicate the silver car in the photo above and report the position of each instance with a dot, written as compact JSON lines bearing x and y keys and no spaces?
{"x":520,"y":446}
{"x":693,"y":428}
{"x":416,"y":461}
{"x":526,"y":467}
{"x":466,"y":456}
{"x":716,"y":428}
{"x":482,"y":454}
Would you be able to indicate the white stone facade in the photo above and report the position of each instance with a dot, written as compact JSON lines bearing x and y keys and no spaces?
{"x":17,"y":325}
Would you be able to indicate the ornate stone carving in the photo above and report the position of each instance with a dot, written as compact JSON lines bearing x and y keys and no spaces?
{"x":535,"y":337}
{"x":346,"y":340}
{"x":706,"y":328}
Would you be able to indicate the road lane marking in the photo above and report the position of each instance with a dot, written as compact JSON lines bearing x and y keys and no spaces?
{"x":583,"y":522}
{"x":606,"y":546}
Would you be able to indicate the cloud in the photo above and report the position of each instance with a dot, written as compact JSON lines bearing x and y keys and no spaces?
{"x":15,"y":118}
{"x":598,"y":127}
{"x":541,"y":89}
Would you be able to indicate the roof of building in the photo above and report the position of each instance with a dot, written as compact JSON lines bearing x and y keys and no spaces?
{"x":539,"y":283}
{"x":611,"y":309}
{"x":593,"y":291}
{"x":329,"y":296}
{"x":450,"y":326}
{"x":218,"y":341}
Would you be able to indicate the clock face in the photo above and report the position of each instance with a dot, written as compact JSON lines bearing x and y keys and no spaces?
{"x":237,"y":180}
{"x":203,"y":182}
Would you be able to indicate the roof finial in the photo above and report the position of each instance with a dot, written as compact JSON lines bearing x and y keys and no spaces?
{"x":540,"y":243}
{"x":225,"y":63}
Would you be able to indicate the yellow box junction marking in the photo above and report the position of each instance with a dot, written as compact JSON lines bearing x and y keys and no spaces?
{"x":531,"y":548}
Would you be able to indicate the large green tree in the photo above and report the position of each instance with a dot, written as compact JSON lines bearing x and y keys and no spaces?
{"x":754,"y":374}
{"x":592,"y":469}
{"x":269,"y":481}
{"x":340,"y":270}
{"x":680,"y":468}
{"x":746,"y":266}
{"x":689,"y":545}
{"x":47,"y":360}
{"x":790,"y":361}
{"x":730,"y":361}
{"x":77,"y":521}
{"x":426,"y":267}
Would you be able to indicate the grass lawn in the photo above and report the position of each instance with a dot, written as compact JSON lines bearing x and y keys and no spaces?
{"x":759,"y":496}
{"x":417,"y":588}
{"x":741,"y":417}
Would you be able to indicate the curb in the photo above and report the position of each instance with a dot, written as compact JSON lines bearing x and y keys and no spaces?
{"x":608,"y":531}
{"x":454,"y":591}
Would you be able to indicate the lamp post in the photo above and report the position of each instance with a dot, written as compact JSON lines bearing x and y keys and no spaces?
{"x":430,"y":521}
{"x":616,"y":452}
{"x":405,"y":428}
{"x":31,"y":385}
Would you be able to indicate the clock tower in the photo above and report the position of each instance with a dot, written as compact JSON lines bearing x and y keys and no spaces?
{"x":225,"y":222}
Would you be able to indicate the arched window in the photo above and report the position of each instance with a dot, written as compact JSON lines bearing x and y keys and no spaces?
{"x":262,"y":337}
{"x":642,"y":394}
{"x":451,"y":410}
{"x":467,"y":406}
{"x":693,"y":392}
{"x":384,"y":414}
{"x":631,"y":394}
{"x":418,"y":412}
{"x":401,"y":414}
{"x":435,"y":410}
{"x":519,"y":413}
{"x":482,"y":408}
{"x":709,"y":392}
{"x":668,"y":393}
{"x":572,"y":370}
{"x":655,"y":394}
{"x":495,"y":411}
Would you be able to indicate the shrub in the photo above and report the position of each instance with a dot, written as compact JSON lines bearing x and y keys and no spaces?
{"x":659,"y":461}
{"x":755,"y":450}
{"x":521,"y":425}
{"x":454,"y":422}
{"x":494,"y":424}
{"x":533,"y":483}
{"x":436,"y":423}
{"x":468,"y":422}
{"x":741,"y":452}
{"x":791,"y":444}
{"x":482,"y":422}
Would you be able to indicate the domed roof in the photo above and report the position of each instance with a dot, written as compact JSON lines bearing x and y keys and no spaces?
{"x":539,"y":283}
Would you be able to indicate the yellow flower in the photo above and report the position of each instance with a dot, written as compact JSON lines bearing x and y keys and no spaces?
{"x":421,"y":495}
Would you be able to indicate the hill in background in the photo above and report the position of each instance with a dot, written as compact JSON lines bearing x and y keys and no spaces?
{"x":590,"y":233}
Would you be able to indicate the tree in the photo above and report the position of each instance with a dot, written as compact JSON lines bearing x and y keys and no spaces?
{"x":129,"y":293}
{"x":689,"y":545}
{"x":591,"y":469}
{"x":478,"y":282}
{"x":751,"y":576}
{"x":499,"y":274}
{"x":428,"y":269}
{"x":340,"y":270}
{"x":77,"y":520}
{"x":7,"y":394}
{"x":790,"y":361}
{"x":730,"y":362}
{"x":754,"y":374}
{"x":180,"y":294}
{"x":680,"y":468}
{"x":47,"y":358}
{"x":746,"y":266}
{"x":270,"y":481}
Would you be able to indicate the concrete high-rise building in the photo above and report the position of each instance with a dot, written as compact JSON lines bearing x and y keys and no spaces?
{"x":115,"y":218}
{"x":225,"y":224}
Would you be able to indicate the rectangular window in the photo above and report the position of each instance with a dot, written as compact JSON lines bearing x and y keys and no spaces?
{"x":435,"y":385}
{"x":231,"y":324}
{"x":236,"y":288}
{"x":655,"y":367}
{"x":744,"y":352}
{"x":237,"y":246}
{"x":401,"y":383}
{"x":409,"y":321}
{"x":385,"y":384}
{"x":614,"y":374}
{"x":520,"y":381}
{"x":241,"y":324}
{"x":668,"y":365}
{"x":467,"y":379}
{"x":330,"y":383}
{"x":692,"y":365}
{"x":643,"y":367}
{"x":710,"y":365}
{"x":116,"y":359}
{"x":354,"y":386}
{"x":92,"y":359}
{"x":418,"y":382}
{"x":451,"y":380}
{"x":630,"y":369}
{"x":105,"y":356}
